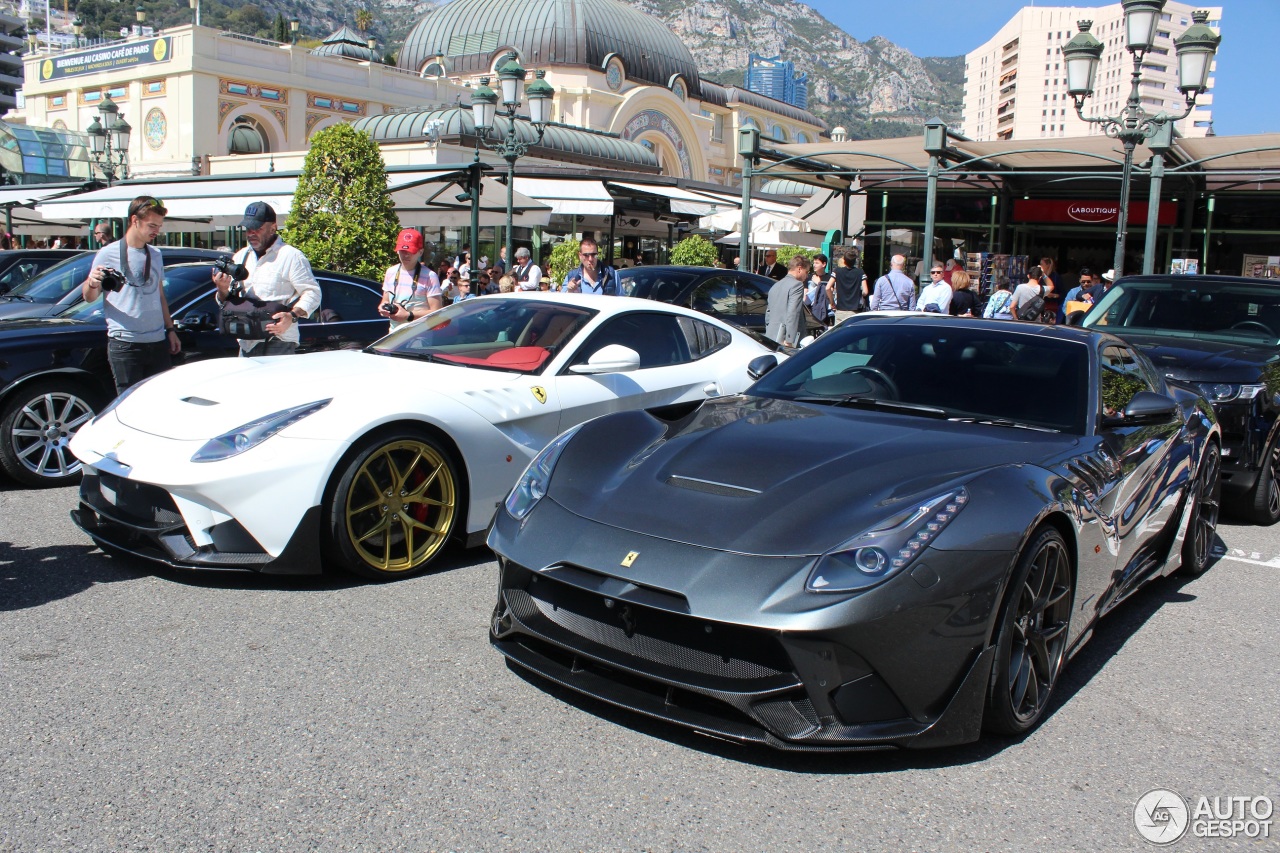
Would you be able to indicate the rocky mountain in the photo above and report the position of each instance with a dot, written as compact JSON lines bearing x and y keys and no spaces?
{"x":871,"y":87}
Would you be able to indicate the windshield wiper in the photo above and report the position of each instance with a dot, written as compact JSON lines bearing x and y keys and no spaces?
{"x":415,"y":356}
{"x":1003,"y":422}
{"x":861,"y":402}
{"x":17,"y":297}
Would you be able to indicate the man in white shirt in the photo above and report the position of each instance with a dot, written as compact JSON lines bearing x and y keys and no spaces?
{"x":277,"y":273}
{"x":938,"y":293}
{"x":526,"y":272}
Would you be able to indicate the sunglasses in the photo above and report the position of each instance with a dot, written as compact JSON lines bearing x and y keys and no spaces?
{"x":145,"y":205}
{"x":935,"y":272}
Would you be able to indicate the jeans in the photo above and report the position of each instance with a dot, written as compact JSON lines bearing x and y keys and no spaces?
{"x":132,"y":362}
{"x":271,"y":346}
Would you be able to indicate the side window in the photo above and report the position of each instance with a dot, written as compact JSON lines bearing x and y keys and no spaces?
{"x":343,"y":301}
{"x":204,"y":305}
{"x":716,"y":295}
{"x":701,"y":338}
{"x":752,"y":299}
{"x":1122,"y":377}
{"x":657,"y":338}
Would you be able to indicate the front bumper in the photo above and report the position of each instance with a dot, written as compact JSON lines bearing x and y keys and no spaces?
{"x":904,"y":665}
{"x":144,"y":520}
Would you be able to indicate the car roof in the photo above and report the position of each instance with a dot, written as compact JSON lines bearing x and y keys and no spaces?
{"x":338,"y":276}
{"x":1198,"y":280}
{"x":610,"y":304}
{"x":1067,"y":333}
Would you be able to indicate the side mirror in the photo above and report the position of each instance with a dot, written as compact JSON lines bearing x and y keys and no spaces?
{"x":614,"y":358}
{"x":1075,"y":318}
{"x":760,"y":365}
{"x":195,"y":321}
{"x":1146,"y":407}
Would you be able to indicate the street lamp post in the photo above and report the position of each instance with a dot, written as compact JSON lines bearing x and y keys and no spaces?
{"x":484,"y":112}
{"x":293,"y":30}
{"x":195,"y":10}
{"x":77,"y":27}
{"x":109,"y":141}
{"x":1195,"y":49}
{"x":141,"y":14}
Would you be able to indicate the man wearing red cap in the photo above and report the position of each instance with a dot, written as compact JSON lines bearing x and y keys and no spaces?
{"x":410,"y":289}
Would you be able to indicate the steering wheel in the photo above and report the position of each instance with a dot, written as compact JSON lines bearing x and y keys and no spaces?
{"x":1254,"y":324}
{"x":876,"y":375}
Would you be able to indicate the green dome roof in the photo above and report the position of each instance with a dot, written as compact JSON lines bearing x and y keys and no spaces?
{"x":469,"y":34}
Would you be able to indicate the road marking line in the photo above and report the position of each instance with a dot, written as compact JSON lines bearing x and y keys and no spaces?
{"x":1253,"y":558}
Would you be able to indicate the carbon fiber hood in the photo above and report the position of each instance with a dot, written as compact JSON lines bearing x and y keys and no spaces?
{"x":769,"y":477}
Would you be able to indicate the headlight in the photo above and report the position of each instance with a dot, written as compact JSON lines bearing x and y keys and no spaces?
{"x":533,"y":483}
{"x":252,"y":434}
{"x":886,"y":549}
{"x":1225,"y":392}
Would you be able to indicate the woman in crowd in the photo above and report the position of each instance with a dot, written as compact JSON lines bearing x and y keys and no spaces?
{"x":1000,"y":302}
{"x":963,"y":301}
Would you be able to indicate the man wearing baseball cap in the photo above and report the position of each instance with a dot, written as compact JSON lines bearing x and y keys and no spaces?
{"x":410,"y":289}
{"x":278,"y":273}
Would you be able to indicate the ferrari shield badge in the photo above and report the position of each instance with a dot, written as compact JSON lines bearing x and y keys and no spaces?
{"x":629,"y":559}
{"x":540,"y":393}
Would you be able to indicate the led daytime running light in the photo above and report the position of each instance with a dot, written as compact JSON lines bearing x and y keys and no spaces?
{"x":250,"y":435}
{"x":886,"y":549}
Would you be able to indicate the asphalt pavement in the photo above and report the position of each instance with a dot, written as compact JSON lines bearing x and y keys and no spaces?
{"x":164,"y":711}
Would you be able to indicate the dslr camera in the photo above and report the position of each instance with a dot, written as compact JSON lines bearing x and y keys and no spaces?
{"x":228,"y":266}
{"x":112,"y":279}
{"x":390,"y":306}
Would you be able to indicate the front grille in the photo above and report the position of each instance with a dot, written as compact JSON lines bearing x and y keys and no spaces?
{"x":648,"y":638}
{"x":130,"y":502}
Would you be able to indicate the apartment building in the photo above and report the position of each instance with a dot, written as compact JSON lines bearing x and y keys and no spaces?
{"x":1016,"y":83}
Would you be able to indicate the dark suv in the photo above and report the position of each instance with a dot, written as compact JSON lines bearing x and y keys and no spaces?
{"x":1222,"y":334}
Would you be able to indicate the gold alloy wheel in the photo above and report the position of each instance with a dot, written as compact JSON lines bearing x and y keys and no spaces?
{"x":400,"y":506}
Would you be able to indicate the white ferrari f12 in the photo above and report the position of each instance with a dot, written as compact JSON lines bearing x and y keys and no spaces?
{"x":376,"y":459}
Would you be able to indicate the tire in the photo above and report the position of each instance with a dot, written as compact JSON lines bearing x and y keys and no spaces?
{"x":1031,"y":638}
{"x":395,"y":505}
{"x":1202,"y":527}
{"x":36,"y":424}
{"x":1262,"y":505}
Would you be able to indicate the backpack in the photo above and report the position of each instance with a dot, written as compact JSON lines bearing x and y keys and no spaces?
{"x":1031,"y":310}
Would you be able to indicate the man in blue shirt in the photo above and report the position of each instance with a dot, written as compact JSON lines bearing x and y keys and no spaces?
{"x":589,"y":276}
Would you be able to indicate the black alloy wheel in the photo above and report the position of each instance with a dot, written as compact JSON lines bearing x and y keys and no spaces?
{"x":1031,"y":641}
{"x":1202,"y":526}
{"x":1264,"y":502}
{"x":36,"y":425}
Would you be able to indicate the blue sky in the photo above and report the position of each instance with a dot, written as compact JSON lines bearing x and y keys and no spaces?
{"x":1246,"y":97}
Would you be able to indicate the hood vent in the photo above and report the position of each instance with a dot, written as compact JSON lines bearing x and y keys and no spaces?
{"x":198,"y":401}
{"x":711,"y":487}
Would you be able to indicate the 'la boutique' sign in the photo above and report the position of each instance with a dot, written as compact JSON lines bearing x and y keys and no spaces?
{"x":1088,"y":212}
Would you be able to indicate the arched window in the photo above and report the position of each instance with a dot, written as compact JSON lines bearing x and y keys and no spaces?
{"x":434,"y":68}
{"x":247,"y":137}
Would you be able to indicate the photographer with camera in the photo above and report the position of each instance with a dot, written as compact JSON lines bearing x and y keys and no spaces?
{"x":278,"y":277}
{"x":129,"y":275}
{"x":410,"y":289}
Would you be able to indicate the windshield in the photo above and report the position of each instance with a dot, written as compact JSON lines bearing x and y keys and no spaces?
{"x":55,"y":282}
{"x":662,"y":285}
{"x":494,"y":332}
{"x":1244,"y":313}
{"x":179,"y":283}
{"x":957,"y":372}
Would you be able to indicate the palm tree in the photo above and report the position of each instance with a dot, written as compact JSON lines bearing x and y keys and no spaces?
{"x":364,"y":20}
